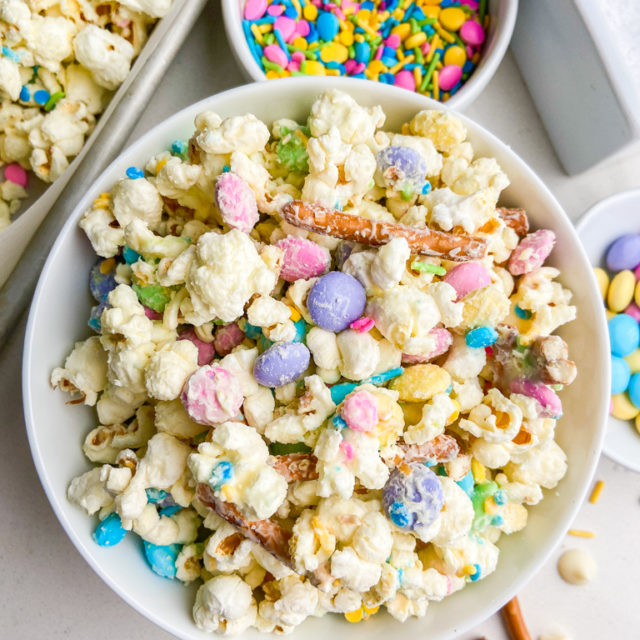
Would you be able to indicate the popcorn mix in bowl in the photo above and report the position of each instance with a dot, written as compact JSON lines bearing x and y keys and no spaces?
{"x":325,"y":375}
{"x":59,"y":64}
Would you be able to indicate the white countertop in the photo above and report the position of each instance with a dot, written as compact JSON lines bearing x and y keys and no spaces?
{"x":50,"y":592}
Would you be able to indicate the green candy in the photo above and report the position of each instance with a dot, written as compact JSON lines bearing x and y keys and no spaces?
{"x":292,"y":153}
{"x":480,"y":493}
{"x":153,"y":296}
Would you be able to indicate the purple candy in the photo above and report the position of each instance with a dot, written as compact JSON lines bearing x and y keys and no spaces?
{"x":413,"y":500}
{"x":401,"y":167}
{"x":624,"y":253}
{"x":336,"y":300}
{"x":281,"y":363}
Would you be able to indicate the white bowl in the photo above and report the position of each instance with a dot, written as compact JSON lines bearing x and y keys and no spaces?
{"x":598,"y":228}
{"x":59,"y":315}
{"x":503,"y":19}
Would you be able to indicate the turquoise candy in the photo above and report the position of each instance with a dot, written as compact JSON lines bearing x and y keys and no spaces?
{"x":162,"y":558}
{"x":481,"y":337}
{"x":130,"y":256}
{"x":328,"y":26}
{"x":109,"y":532}
{"x":620,"y":375}
{"x":624,"y":335}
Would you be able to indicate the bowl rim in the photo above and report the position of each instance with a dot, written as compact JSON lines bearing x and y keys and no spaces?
{"x":461,"y":100}
{"x":315,"y":86}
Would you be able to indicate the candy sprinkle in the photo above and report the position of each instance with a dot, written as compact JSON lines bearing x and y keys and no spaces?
{"x":597,"y":490}
{"x":401,"y":43}
{"x":579,"y":533}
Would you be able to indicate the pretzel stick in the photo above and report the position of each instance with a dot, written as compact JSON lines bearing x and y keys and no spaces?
{"x":321,"y":219}
{"x":296,"y":466}
{"x":514,"y":620}
{"x":516,"y":219}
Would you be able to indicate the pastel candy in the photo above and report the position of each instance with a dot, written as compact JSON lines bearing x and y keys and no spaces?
{"x":360,"y":411}
{"x":212,"y":395}
{"x":274,"y":53}
{"x":624,"y":253}
{"x":405,"y":80}
{"x":444,"y":339}
{"x":96,"y":314}
{"x":624,"y":335}
{"x":621,"y":290}
{"x":622,"y":408}
{"x":227,"y":338}
{"x":399,"y":166}
{"x":532,"y":251}
{"x":620,"y":375}
{"x":15,"y":173}
{"x":481,"y":337}
{"x":336,"y":300}
{"x":162,"y":558}
{"x":286,"y":26}
{"x":450,"y":75}
{"x":206,"y":350}
{"x":102,"y":279}
{"x":303,"y":259}
{"x":634,"y":390}
{"x":236,"y":201}
{"x":153,"y":296}
{"x":467,"y":277}
{"x":472,"y":33}
{"x":110,"y":531}
{"x":546,"y":397}
{"x":254,"y":9}
{"x":328,"y":26}
{"x":412,"y":497}
{"x":151,"y":314}
{"x":281,"y":363}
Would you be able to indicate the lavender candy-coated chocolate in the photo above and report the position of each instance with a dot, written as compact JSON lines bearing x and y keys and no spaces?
{"x":336,"y":300}
{"x":281,"y":363}
{"x":624,"y":253}
{"x":401,"y":165}
{"x":413,"y":500}
{"x":100,"y":283}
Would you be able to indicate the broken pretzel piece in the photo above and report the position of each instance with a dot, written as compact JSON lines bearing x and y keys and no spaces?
{"x":516,"y":219}
{"x":353,"y":228}
{"x":295,"y":466}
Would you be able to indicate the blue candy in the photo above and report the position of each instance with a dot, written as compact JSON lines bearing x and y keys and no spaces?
{"x":221,"y":474}
{"x":9,"y":53}
{"x":500,"y":497}
{"x":620,"y":375}
{"x":109,"y":532}
{"x":170,"y":510}
{"x":339,"y":422}
{"x":362,"y":52}
{"x":162,"y":558}
{"x":178,"y":148}
{"x":624,"y":335}
{"x":340,"y":391}
{"x":130,"y":256}
{"x":156,"y":495}
{"x":399,"y":514}
{"x":467,"y":483}
{"x":25,"y":96}
{"x":134,"y":173}
{"x":481,"y":337}
{"x":476,"y":574}
{"x":96,"y":314}
{"x":328,"y":26}
{"x":525,"y":314}
{"x":41,"y":96}
{"x":102,"y":279}
{"x":634,"y":389}
{"x":301,"y":330}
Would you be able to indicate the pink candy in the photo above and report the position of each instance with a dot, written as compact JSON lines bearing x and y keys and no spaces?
{"x":405,"y":80}
{"x":228,"y":338}
{"x":393,"y":41}
{"x":467,"y":277}
{"x":636,"y":272}
{"x":286,"y":26}
{"x":275,"y":54}
{"x":302,"y":29}
{"x":532,"y":251}
{"x":297,"y":57}
{"x":236,"y":201}
{"x":303,"y":259}
{"x":15,"y":173}
{"x":472,"y":4}
{"x":360,"y":411}
{"x":254,"y":9}
{"x":551,"y":407}
{"x":151,"y":314}
{"x":212,"y":395}
{"x":444,"y":339}
{"x":205,"y":349}
{"x":362,"y":325}
{"x":450,"y":75}
{"x":349,"y":66}
{"x":634,"y":311}
{"x":472,"y":33}
{"x":347,"y":450}
{"x":275,"y":10}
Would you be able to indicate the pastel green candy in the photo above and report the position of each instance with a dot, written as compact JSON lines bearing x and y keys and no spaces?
{"x":292,"y":153}
{"x":153,"y":296}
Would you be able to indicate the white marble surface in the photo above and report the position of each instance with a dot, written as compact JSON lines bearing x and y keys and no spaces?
{"x":48,"y":591}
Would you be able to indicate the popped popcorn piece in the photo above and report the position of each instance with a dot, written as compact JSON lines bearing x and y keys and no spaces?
{"x":445,"y":130}
{"x":88,"y":492}
{"x":497,"y":419}
{"x":169,"y":368}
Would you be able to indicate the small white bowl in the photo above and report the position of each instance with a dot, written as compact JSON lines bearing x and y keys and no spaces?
{"x":503,"y":19}
{"x":598,"y":228}
{"x":59,"y":314}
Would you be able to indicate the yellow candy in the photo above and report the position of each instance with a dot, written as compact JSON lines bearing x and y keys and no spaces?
{"x":415,"y":40}
{"x":454,"y":416}
{"x":346,"y":38}
{"x":421,"y":382}
{"x":452,"y":18}
{"x":108,"y":265}
{"x":402,"y":30}
{"x":161,"y":164}
{"x":370,"y":611}
{"x":623,"y":409}
{"x":412,"y":412}
{"x":398,"y":14}
{"x":621,"y":291}
{"x":294,"y":315}
{"x":431,"y":12}
{"x":354,"y":616}
{"x":478,"y":470}
{"x":334,"y":52}
{"x":310,"y":12}
{"x":376,"y":66}
{"x":271,"y":74}
{"x":490,"y":506}
{"x":637,"y":294}
{"x":301,"y":43}
{"x":455,"y":55}
{"x":390,"y":419}
{"x":601,"y":275}
{"x":633,"y":360}
{"x":315,"y":68}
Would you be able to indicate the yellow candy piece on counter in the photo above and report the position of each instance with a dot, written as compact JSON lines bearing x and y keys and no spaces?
{"x":415,"y":40}
{"x":455,"y":55}
{"x":452,"y":18}
{"x":621,"y":290}
{"x":403,"y":30}
{"x":421,"y":382}
{"x":601,"y":275}
{"x":633,"y":360}
{"x":334,"y":52}
{"x":623,"y":408}
{"x":637,"y":294}
{"x":315,"y":68}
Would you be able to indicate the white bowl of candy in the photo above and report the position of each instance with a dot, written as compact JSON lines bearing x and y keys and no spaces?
{"x":142,"y":480}
{"x":468,"y":42}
